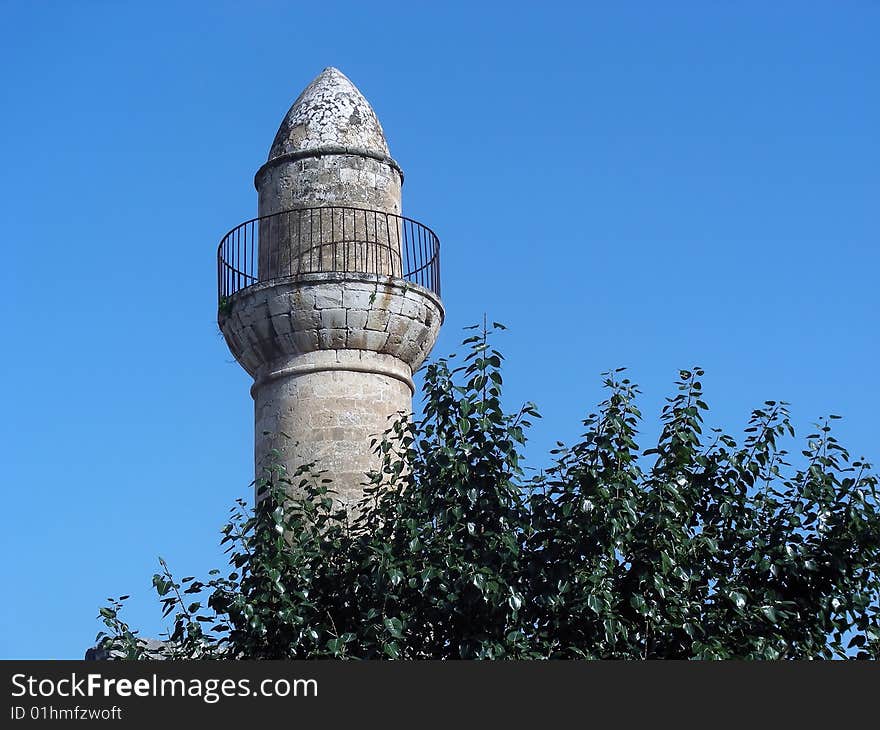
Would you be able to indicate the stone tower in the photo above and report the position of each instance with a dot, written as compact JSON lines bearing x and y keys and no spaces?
{"x":330,"y":299}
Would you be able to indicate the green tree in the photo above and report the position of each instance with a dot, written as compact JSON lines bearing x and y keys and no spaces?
{"x":699,"y":547}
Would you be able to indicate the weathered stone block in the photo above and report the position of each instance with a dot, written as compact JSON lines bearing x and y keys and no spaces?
{"x":366,"y":340}
{"x":356,"y":319}
{"x":333,"y":319}
{"x":305,"y":319}
{"x":377,"y":319}
{"x":412,"y":309}
{"x":409,"y":350}
{"x":393,"y":303}
{"x":356,"y":299}
{"x":261,"y":328}
{"x":328,"y":298}
{"x":305,"y":341}
{"x":279,"y":305}
{"x":281,"y":324}
{"x":332,"y":339}
{"x":398,"y":326}
{"x":302,"y":299}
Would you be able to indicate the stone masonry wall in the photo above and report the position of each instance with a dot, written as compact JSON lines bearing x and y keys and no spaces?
{"x":278,"y":320}
{"x":333,"y":179}
{"x":323,"y":412}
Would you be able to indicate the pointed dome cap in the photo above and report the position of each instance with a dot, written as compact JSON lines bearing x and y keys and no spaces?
{"x":330,"y":115}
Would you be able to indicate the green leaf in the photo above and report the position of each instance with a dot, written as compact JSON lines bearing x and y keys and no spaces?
{"x":739,"y":600}
{"x":515,"y":600}
{"x":394,"y":626}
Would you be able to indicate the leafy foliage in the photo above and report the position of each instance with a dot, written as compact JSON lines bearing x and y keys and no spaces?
{"x":699,"y":547}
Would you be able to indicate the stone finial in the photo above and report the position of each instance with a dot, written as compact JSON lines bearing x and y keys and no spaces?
{"x":330,"y":113}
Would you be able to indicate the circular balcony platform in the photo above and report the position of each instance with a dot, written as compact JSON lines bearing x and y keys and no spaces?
{"x":327,"y":239}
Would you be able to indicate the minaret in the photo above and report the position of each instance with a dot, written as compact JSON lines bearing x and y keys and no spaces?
{"x":330,"y":299}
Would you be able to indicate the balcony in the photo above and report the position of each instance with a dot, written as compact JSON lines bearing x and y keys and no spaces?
{"x":327,"y":239}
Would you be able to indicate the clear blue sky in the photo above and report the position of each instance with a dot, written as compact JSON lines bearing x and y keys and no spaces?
{"x":640,"y":184}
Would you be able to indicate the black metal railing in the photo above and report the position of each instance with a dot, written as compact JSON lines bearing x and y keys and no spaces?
{"x":327,"y":239}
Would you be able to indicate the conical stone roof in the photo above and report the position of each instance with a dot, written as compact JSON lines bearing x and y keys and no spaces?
{"x":330,"y":114}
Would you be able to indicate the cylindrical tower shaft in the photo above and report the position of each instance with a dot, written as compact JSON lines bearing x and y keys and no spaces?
{"x":330,"y":299}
